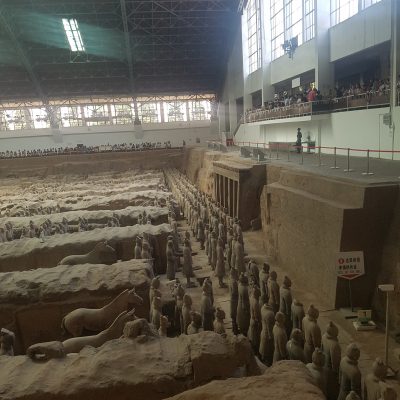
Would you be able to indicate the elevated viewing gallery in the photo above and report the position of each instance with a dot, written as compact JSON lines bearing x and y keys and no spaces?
{"x":200,"y":199}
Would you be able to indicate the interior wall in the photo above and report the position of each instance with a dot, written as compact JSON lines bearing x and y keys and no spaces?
{"x":354,"y":129}
{"x":175,"y":132}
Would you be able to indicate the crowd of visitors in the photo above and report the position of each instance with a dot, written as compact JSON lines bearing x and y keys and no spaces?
{"x":79,"y":149}
{"x":368,"y":89}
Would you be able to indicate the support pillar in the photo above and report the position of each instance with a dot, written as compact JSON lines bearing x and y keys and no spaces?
{"x":229,"y":197}
{"x":238,"y":197}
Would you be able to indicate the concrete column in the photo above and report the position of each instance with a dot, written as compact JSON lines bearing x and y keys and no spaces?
{"x":324,"y":74}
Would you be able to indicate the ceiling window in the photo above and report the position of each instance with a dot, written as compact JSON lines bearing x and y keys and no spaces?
{"x":254,"y":34}
{"x":73,"y":34}
{"x":277,"y":28}
{"x":342,"y":10}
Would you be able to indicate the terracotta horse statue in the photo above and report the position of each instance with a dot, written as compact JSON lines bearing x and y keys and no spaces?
{"x":96,"y":320}
{"x":49,"y":350}
{"x":102,"y":253}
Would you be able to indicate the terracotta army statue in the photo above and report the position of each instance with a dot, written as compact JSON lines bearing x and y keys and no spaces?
{"x":145,"y":251}
{"x":9,"y":232}
{"x":156,"y":312}
{"x":154,"y":289}
{"x":3,"y":237}
{"x":263,"y":279}
{"x":187,"y":263}
{"x":372,"y":388}
{"x":206,"y":239}
{"x":229,"y":248}
{"x":186,"y":310}
{"x":267,"y":337}
{"x":273,"y":291}
{"x":316,"y":368}
{"x":208,"y":282}
{"x":234,"y":298}
{"x":178,"y":293}
{"x":213,"y":248}
{"x":209,"y":255}
{"x":207,"y":308}
{"x":312,"y":332}
{"x":170,"y":261}
{"x":255,"y":319}
{"x":195,"y":325}
{"x":285,"y":303}
{"x":297,"y":314}
{"x":243,"y":309}
{"x":7,"y":339}
{"x":200,"y":233}
{"x":164,"y":325}
{"x":349,"y":373}
{"x":138,"y":248}
{"x":220,"y":265}
{"x":295,"y":346}
{"x":253,"y":273}
{"x":219,"y":321}
{"x":333,"y":355}
{"x":280,"y":338}
{"x":233,"y":254}
{"x":221,"y":232}
{"x":239,"y":257}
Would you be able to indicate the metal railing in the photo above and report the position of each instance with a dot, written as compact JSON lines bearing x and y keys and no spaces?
{"x":367,"y":100}
{"x":282,"y":150}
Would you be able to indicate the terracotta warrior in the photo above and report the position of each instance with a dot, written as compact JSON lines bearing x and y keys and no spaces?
{"x":179,"y":292}
{"x":220,"y":265}
{"x":255,"y":319}
{"x":349,"y":373}
{"x":388,"y":393}
{"x":297,"y":314}
{"x":263,"y":280}
{"x":312,"y":332}
{"x":219,"y":321}
{"x":333,"y":355}
{"x":195,"y":325}
{"x":138,"y":248}
{"x":234,"y":298}
{"x":243,"y":310}
{"x":273,"y":291}
{"x":285,"y":303}
{"x":316,"y":368}
{"x":233,"y":254}
{"x":3,"y":237}
{"x":145,"y":251}
{"x":229,"y":248}
{"x":239,"y":257}
{"x":213,"y":248}
{"x":156,"y":312}
{"x":7,"y":340}
{"x":253,"y":273}
{"x":164,"y":325}
{"x":207,"y":308}
{"x":154,"y":291}
{"x":267,"y":338}
{"x":295,"y":346}
{"x":207,"y":239}
{"x":353,"y":396}
{"x":187,"y":263}
{"x":280,"y":338}
{"x":200,"y":233}
{"x":372,"y":387}
{"x":170,"y":261}
{"x":186,"y":313}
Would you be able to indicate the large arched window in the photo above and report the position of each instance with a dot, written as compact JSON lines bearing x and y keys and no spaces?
{"x":253,"y":13}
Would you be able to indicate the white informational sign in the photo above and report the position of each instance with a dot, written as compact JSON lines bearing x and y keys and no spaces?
{"x":350,"y":264}
{"x":295,"y":82}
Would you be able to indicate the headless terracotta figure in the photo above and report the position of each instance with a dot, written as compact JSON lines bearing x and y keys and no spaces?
{"x":179,"y":292}
{"x":317,"y":370}
{"x":349,"y":373}
{"x":255,"y":319}
{"x":280,"y":338}
{"x":243,"y":310}
{"x":207,"y":309}
{"x":295,"y":346}
{"x":156,"y":312}
{"x":263,"y":279}
{"x":7,"y":339}
{"x":195,"y":325}
{"x":372,"y":382}
{"x":312,"y":332}
{"x":267,"y":337}
{"x":155,"y":285}
{"x":333,"y":355}
{"x":219,"y":321}
{"x":170,"y":261}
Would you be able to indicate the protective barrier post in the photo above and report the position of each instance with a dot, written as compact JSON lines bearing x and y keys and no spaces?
{"x":302,"y":156}
{"x":334,"y":159}
{"x":368,"y":171}
{"x":288,"y":152}
{"x":270,"y":151}
{"x":277,"y":151}
{"x":348,"y":162}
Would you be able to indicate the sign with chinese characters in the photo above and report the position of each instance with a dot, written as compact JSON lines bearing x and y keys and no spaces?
{"x":350,"y":264}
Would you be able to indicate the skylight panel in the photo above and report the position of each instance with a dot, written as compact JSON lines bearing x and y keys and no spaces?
{"x":73,"y":34}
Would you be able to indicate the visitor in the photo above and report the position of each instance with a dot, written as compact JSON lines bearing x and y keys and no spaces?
{"x":298,"y":141}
